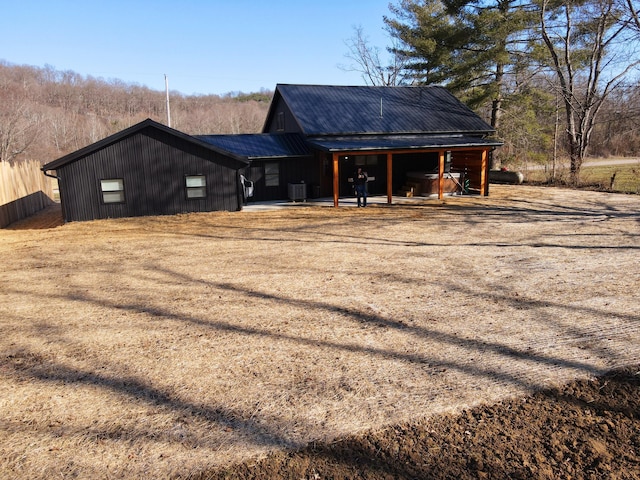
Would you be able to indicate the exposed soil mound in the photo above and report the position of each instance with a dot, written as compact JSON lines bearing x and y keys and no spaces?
{"x":585,"y":430}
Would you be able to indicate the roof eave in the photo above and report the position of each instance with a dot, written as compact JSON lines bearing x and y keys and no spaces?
{"x":416,"y":147}
{"x":276,"y":157}
{"x":440,"y":142}
{"x":483,"y":133}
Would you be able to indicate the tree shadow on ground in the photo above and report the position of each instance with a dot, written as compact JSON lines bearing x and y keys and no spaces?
{"x":584,"y":430}
{"x":264,"y":430}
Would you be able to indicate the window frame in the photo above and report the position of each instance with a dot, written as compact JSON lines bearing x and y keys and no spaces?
{"x":190,"y":190}
{"x":108,"y":192}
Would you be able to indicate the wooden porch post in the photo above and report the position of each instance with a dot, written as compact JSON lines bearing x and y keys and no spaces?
{"x":484,"y":173}
{"x":336,"y":180}
{"x":441,"y":174}
{"x":389,"y":179}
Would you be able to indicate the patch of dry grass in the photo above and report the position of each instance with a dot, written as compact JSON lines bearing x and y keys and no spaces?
{"x":160,"y":346}
{"x":626,"y":177}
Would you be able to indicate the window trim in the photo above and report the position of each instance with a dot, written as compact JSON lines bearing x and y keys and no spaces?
{"x":112,"y":192}
{"x":191,"y":190}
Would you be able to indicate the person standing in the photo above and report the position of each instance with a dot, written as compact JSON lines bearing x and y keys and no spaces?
{"x":360,"y":184}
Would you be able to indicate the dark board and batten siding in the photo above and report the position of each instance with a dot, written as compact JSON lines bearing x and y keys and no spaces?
{"x":291,"y":170}
{"x":153,"y":166}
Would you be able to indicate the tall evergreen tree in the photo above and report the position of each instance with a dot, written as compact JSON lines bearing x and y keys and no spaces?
{"x":486,"y":50}
{"x":469,"y":46}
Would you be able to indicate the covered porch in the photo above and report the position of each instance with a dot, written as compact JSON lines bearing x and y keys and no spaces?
{"x":393,"y":159}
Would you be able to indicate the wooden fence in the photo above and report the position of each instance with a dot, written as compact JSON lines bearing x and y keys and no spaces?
{"x":24,"y":190}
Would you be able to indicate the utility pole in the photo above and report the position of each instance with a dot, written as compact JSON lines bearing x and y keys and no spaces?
{"x":166,"y":87}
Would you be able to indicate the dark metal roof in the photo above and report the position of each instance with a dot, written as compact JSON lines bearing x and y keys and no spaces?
{"x":236,"y":163}
{"x":397,"y":142}
{"x":255,"y":146}
{"x":341,"y":110}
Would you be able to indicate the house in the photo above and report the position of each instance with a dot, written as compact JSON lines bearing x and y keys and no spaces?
{"x":410,"y":140}
{"x":420,"y":137}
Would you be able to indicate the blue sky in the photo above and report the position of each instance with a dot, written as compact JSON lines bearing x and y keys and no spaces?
{"x":204,"y":47}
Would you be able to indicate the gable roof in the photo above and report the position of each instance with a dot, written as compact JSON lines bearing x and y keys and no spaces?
{"x":232,"y":162}
{"x":259,"y":146}
{"x":362,"y":110}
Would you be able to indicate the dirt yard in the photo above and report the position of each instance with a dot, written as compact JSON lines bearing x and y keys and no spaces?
{"x":584,"y":430}
{"x":457,"y":339}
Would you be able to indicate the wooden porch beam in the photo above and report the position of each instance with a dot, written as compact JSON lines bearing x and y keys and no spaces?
{"x":484,"y":173}
{"x":441,"y":154}
{"x":336,"y":179}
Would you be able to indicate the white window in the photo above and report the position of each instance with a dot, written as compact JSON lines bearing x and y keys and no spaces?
{"x":112,"y":190}
{"x":272,"y":174}
{"x":196,"y":186}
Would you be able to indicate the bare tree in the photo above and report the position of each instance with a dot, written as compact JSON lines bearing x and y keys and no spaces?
{"x":635,"y":15}
{"x":592,"y":49}
{"x":46,"y":113}
{"x":18,"y":128}
{"x":366,"y":59}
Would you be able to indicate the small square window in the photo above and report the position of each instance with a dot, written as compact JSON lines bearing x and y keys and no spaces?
{"x":196,"y":186}
{"x":112,"y":190}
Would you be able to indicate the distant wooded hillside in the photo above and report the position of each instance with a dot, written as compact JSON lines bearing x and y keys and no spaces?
{"x":47,"y":113}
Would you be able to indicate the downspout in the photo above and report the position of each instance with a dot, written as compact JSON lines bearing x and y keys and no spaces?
{"x":49,"y":175}
{"x":239,"y":191}
{"x":59,"y":189}
{"x":53,"y":176}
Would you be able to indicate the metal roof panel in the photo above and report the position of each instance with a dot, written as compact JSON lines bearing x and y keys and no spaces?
{"x":254,"y":146}
{"x":343,"y":110}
